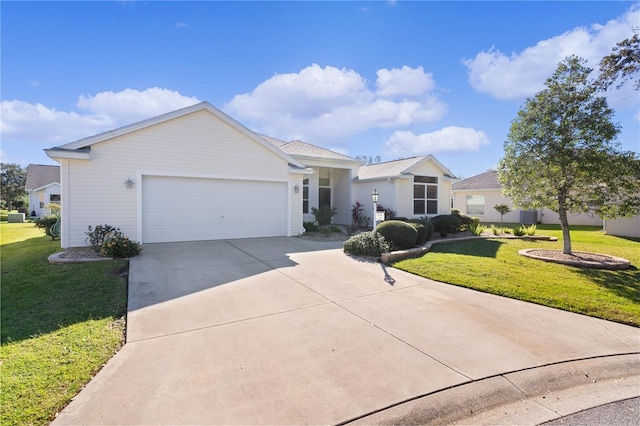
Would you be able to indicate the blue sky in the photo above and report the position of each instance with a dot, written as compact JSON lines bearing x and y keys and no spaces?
{"x":394,"y":79}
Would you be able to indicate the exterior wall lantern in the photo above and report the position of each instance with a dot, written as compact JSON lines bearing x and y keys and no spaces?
{"x":296,"y":188}
{"x":374,"y":198}
{"x":128,"y":183}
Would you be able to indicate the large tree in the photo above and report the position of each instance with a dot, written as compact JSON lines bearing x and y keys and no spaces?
{"x":12,"y":181}
{"x":561,"y":152}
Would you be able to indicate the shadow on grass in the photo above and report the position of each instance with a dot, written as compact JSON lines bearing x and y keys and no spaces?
{"x":625,"y":284}
{"x":38,"y":298}
{"x":479,"y":248}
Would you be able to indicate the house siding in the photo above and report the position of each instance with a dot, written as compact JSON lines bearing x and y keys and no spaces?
{"x":623,"y":227}
{"x":494,"y":196}
{"x":196,"y":145}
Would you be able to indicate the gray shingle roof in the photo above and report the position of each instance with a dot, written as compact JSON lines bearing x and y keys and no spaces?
{"x":39,"y":175}
{"x":304,"y":149}
{"x":388,"y":168}
{"x":486,"y":180}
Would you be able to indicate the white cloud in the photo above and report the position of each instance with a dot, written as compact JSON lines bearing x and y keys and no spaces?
{"x":448,"y":139}
{"x":327,"y":105}
{"x":22,"y":121}
{"x":523,"y":74}
{"x":403,"y":82}
{"x":181,"y":25}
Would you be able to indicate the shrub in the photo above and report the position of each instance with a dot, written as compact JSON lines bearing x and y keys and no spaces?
{"x":311,"y":226}
{"x":399,"y":234}
{"x":95,"y":237}
{"x":54,"y":208}
{"x":367,"y":244}
{"x":330,"y":229}
{"x":475,"y":221}
{"x":422,"y":232}
{"x":45,"y":223}
{"x":530,"y":230}
{"x":465,"y":220}
{"x":496,"y":230}
{"x":116,"y":245}
{"x":358,"y":218}
{"x":476,"y":229}
{"x":324,"y":214}
{"x":446,"y":223}
{"x":519,"y":231}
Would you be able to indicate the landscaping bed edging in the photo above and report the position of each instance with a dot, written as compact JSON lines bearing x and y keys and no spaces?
{"x":417,"y":251}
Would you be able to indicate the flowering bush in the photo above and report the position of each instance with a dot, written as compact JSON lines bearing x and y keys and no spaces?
{"x":95,"y":237}
{"x":116,"y":245}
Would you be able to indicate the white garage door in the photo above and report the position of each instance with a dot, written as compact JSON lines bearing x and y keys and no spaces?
{"x":191,"y":209}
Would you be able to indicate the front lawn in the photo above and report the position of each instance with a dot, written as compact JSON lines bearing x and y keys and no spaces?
{"x":494,"y":266}
{"x":60,"y":324}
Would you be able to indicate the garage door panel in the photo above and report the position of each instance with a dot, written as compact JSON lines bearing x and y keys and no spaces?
{"x":190,"y":209}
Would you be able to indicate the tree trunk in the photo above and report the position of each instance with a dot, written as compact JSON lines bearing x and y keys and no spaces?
{"x":566,"y":237}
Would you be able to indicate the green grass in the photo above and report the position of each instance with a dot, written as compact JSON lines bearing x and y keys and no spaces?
{"x":60,"y":324}
{"x":494,"y":266}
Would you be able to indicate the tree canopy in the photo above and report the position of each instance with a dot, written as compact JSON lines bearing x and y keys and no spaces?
{"x":12,"y":180}
{"x":622,"y":64}
{"x":561,"y":152}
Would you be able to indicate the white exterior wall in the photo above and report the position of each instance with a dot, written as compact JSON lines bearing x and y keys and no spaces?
{"x":42,"y":195}
{"x":494,"y":196}
{"x":491,"y":198}
{"x":623,"y":227}
{"x":397,"y":194}
{"x":405,"y":191}
{"x":195,"y":145}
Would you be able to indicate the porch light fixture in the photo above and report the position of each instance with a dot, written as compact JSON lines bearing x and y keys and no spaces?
{"x":374,"y":198}
{"x":374,"y":195}
{"x":296,"y":188}
{"x":128,"y":183}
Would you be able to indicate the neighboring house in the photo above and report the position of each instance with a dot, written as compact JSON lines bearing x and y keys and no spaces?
{"x":197,"y":174}
{"x":43,"y":187}
{"x":623,"y":227}
{"x":477,"y":195}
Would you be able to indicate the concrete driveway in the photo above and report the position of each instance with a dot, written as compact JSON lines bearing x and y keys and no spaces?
{"x":289,"y":331}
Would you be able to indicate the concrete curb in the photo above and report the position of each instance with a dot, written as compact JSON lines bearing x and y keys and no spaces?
{"x":527,"y":397}
{"x":614,"y":264}
{"x":403,"y":254}
{"x":55,"y":259}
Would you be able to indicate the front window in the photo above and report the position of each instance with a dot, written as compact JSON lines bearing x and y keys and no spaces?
{"x":324,"y":192}
{"x":54,"y":198}
{"x":305,"y":195}
{"x":475,"y":204}
{"x":425,"y":195}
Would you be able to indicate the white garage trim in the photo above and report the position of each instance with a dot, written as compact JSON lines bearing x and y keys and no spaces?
{"x":263,"y":204}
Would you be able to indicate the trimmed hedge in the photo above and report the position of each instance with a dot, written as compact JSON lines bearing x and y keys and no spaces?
{"x":367,"y":244}
{"x":446,"y":223}
{"x":400,"y":235}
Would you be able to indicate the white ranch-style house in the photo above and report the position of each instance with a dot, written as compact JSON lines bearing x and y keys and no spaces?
{"x":197,"y":174}
{"x":43,"y":187}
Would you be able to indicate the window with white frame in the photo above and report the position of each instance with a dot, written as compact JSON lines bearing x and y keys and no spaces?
{"x":425,"y":195}
{"x":475,"y":204}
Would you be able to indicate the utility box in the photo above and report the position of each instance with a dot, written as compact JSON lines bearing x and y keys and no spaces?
{"x":528,"y":217}
{"x":15,"y":218}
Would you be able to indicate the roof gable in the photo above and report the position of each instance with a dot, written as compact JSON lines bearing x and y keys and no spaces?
{"x":82,"y":145}
{"x":399,"y":168}
{"x":486,"y":180}
{"x":39,"y":175}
